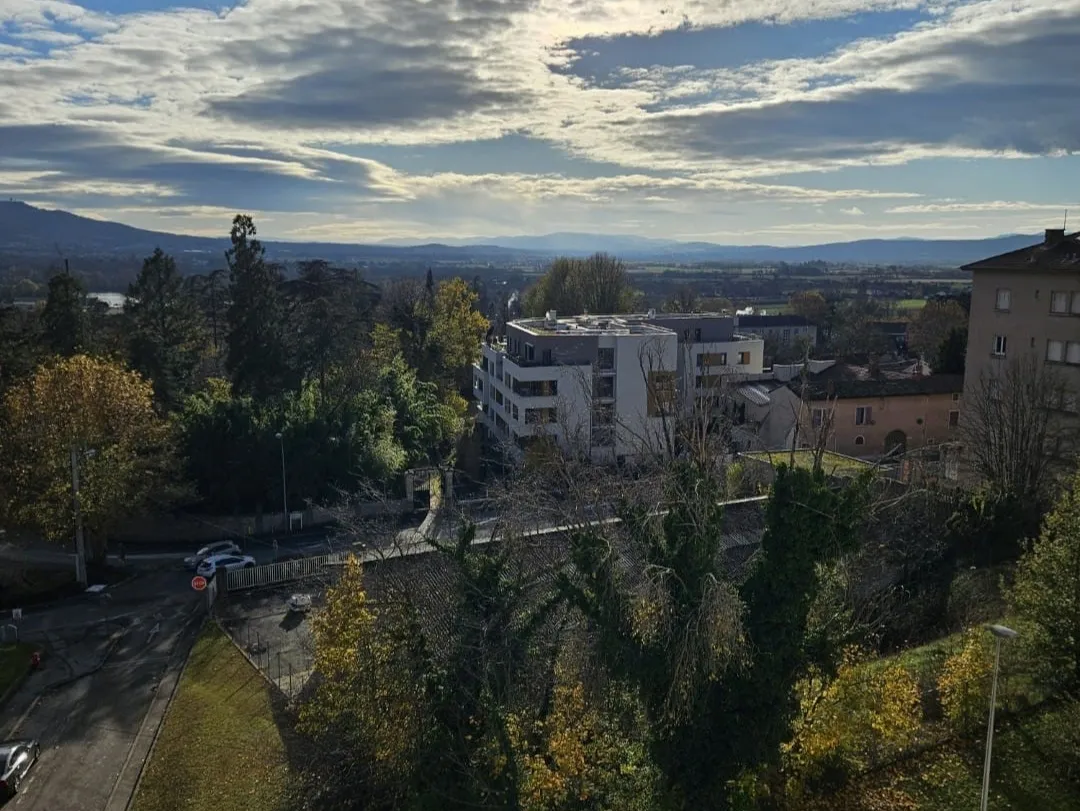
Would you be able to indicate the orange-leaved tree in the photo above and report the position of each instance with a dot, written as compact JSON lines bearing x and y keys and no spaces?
{"x":102,"y":414}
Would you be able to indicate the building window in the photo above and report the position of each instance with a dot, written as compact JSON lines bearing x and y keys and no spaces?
{"x":1072,"y":352}
{"x":605,"y":357}
{"x":660,"y":393}
{"x":697,"y":335}
{"x":498,"y":397}
{"x":1076,"y":303}
{"x":817,"y":417}
{"x":954,"y":419}
{"x":744,"y":358}
{"x":539,"y":416}
{"x":787,"y":335}
{"x":706,"y":360}
{"x":1059,"y":301}
{"x":1055,"y":351}
{"x":530,"y":352}
{"x":1000,"y":344}
{"x":860,"y":440}
{"x":604,"y":387}
{"x":956,"y":398}
{"x":863,"y":415}
{"x":1004,"y":299}
{"x":515,"y":412}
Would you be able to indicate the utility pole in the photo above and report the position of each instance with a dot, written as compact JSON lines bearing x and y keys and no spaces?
{"x":1000,"y":633}
{"x":80,"y":544}
{"x":284,"y":492}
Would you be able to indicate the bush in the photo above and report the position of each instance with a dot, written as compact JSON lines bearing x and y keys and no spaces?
{"x":964,"y":683}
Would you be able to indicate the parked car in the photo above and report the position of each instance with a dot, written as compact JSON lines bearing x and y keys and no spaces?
{"x":208,"y":551}
{"x":300,"y":603}
{"x":209,"y":567}
{"x":16,"y":758}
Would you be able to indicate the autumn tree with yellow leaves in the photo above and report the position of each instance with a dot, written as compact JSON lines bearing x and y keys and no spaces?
{"x":104,"y":413}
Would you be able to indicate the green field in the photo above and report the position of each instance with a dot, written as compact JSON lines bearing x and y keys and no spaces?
{"x":219,"y":747}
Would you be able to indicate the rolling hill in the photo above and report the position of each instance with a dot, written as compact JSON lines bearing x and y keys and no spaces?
{"x":26,"y":230}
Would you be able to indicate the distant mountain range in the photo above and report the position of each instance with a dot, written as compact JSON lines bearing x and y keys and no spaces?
{"x":26,"y":230}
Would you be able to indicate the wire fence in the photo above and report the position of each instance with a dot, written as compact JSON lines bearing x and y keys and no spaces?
{"x":283,"y":664}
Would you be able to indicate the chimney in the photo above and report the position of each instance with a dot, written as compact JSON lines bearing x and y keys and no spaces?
{"x":1054,"y":235}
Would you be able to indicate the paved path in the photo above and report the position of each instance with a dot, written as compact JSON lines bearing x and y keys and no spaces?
{"x":96,"y":725}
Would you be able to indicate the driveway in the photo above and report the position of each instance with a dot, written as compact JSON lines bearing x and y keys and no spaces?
{"x":87,"y":728}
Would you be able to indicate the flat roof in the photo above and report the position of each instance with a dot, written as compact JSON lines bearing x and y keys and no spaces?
{"x":834,"y":464}
{"x":590,"y":325}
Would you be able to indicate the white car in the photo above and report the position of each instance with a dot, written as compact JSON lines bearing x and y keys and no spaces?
{"x":209,"y":567}
{"x":209,"y":551}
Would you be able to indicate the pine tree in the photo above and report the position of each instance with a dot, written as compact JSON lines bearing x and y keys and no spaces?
{"x":258,"y":357}
{"x":65,"y":319}
{"x":164,"y":334}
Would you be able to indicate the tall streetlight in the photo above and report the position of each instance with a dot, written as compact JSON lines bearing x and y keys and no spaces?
{"x":80,"y":543}
{"x":1000,"y":633}
{"x":284,"y":492}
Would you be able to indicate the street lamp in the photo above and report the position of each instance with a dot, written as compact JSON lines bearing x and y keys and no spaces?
{"x":284,"y":493}
{"x":1000,"y":633}
{"x":80,"y":544}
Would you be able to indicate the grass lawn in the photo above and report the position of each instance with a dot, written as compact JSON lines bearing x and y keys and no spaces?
{"x":1033,"y":767}
{"x":219,"y":747}
{"x":1035,"y":755}
{"x":910,"y":303}
{"x":834,"y":464}
{"x":14,"y":661}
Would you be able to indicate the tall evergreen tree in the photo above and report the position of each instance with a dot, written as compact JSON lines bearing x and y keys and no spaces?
{"x":164,"y":335}
{"x":334,"y":310}
{"x":66,"y":320}
{"x":258,"y":351}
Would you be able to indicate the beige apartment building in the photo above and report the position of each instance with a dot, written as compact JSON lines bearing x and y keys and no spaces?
{"x":882,"y":417}
{"x":1027,"y":303}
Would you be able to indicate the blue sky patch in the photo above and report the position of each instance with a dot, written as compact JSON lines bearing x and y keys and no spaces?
{"x":730,"y":48}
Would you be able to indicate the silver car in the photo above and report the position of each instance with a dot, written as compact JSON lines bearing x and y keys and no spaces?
{"x":16,"y":758}
{"x":209,"y":551}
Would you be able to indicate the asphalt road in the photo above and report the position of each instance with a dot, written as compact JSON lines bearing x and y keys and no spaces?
{"x":87,"y":728}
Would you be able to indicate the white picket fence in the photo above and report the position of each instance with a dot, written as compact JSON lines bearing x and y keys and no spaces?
{"x":286,"y":571}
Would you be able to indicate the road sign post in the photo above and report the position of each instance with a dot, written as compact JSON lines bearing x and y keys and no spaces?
{"x":198,"y":582}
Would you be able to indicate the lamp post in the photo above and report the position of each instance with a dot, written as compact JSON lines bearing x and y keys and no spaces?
{"x":284,"y":492}
{"x":1000,"y":633}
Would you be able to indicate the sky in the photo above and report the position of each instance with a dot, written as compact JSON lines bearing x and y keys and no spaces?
{"x":735,"y":121}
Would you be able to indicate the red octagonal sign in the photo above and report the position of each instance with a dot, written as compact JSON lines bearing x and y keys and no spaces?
{"x":198,"y":582}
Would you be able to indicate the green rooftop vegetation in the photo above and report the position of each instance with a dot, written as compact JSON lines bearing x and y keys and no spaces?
{"x":834,"y":464}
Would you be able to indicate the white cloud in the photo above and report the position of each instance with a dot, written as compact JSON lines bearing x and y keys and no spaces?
{"x":953,"y":207}
{"x":219,"y":110}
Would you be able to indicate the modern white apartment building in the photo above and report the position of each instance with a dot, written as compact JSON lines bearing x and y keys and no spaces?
{"x":605,"y":384}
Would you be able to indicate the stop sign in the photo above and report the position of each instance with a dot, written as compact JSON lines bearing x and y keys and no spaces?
{"x":198,"y":582}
